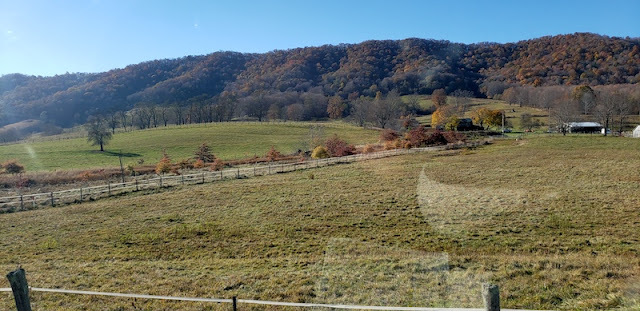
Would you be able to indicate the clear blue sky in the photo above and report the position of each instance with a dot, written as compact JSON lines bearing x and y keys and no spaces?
{"x":44,"y":37}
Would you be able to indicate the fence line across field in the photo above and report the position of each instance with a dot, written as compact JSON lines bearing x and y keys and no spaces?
{"x":94,"y":192}
{"x":249,"y":301}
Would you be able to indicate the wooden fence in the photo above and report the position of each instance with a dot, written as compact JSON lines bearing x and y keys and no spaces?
{"x":31,"y":201}
{"x":21,"y":290}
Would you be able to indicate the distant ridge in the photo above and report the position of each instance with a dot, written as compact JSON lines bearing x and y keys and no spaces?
{"x":409,"y":66}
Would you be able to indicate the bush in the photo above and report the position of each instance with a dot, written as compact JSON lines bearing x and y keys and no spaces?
{"x":273,"y":154}
{"x":319,"y":153}
{"x":389,"y":135}
{"x":369,"y":148}
{"x":217,"y":165}
{"x":454,"y":137}
{"x":416,"y":137}
{"x":395,"y":144}
{"x":337,"y":147}
{"x":198,"y":164}
{"x":204,"y":154}
{"x":436,"y":138}
{"x":164,"y":166}
{"x":185,"y":164}
{"x":13,"y":167}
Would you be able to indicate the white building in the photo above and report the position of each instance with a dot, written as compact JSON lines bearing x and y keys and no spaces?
{"x":636,"y":132}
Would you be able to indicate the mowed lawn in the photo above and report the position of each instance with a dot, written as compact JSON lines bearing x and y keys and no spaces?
{"x":554,"y":221}
{"x":227,"y":140}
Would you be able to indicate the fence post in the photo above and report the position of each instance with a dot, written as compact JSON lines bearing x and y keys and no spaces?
{"x":80,"y":194}
{"x":21,"y":202}
{"x":269,"y":168}
{"x":20,"y":288}
{"x":52,"y":201}
{"x":160,"y":181}
{"x":234,"y":302}
{"x":254,"y":171}
{"x":491,"y":297}
{"x":182,"y":179}
{"x":136,"y":183}
{"x":109,"y":189}
{"x":203,"y":177}
{"x":221,"y":174}
{"x":238,"y":173}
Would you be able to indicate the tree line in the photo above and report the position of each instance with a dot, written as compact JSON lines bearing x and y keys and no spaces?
{"x":349,"y":71}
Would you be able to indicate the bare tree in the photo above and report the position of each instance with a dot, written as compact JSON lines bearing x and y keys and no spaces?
{"x":563,"y":114}
{"x":360,"y":110}
{"x":605,"y":109}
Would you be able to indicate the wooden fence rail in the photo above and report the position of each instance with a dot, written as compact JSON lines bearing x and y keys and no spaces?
{"x":21,"y":290}
{"x":31,"y":201}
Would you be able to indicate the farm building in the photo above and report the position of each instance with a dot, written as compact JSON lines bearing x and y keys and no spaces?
{"x":584,"y":127}
{"x":636,"y":132}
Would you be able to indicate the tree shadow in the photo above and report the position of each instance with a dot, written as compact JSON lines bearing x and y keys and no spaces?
{"x":124,"y":154}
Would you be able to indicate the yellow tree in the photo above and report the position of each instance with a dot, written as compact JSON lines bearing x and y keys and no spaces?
{"x":440,"y":116}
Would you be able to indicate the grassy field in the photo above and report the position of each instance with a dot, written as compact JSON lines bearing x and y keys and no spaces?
{"x":553,"y":220}
{"x":227,"y":140}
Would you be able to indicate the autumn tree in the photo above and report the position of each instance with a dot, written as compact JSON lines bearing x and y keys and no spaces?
{"x":336,"y":107}
{"x":98,"y":133}
{"x":164,"y":165}
{"x":440,"y":116}
{"x":439,"y":98}
{"x":204,"y":154}
{"x":273,"y":154}
{"x":585,"y":96}
{"x":452,"y":123}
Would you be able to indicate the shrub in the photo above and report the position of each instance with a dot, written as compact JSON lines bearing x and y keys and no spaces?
{"x":436,"y":138}
{"x":13,"y":167}
{"x":416,"y":137}
{"x":25,"y":183}
{"x":369,"y":148}
{"x":396,"y":144}
{"x":198,"y":164}
{"x":319,"y":153}
{"x":204,"y":154}
{"x":454,"y":137}
{"x":131,"y":169}
{"x":185,"y":164}
{"x":337,"y":147}
{"x":164,"y":166}
{"x":217,"y":165}
{"x":273,"y":154}
{"x":389,"y":135}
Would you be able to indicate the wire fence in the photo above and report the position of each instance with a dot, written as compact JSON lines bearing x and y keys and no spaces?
{"x":36,"y":200}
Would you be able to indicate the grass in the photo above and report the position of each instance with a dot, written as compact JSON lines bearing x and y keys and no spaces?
{"x":227,"y":140}
{"x":552,"y":220}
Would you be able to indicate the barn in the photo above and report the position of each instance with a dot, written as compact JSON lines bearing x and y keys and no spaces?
{"x":584,"y":127}
{"x":636,"y":132}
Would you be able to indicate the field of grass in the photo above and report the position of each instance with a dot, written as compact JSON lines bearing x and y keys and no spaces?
{"x":553,"y":220}
{"x":227,"y":140}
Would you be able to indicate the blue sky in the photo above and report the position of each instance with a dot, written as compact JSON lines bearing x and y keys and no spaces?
{"x":43,"y":37}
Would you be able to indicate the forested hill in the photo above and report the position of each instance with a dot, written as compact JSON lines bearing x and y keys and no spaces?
{"x":348,"y":70}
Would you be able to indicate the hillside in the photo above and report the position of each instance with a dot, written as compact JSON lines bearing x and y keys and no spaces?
{"x":408,"y":66}
{"x":402,"y":231}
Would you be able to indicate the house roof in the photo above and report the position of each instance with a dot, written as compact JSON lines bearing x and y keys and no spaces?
{"x":584,"y":124}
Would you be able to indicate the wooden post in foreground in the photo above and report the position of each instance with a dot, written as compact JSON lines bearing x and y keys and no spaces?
{"x":235,"y":303}
{"x":491,"y":297}
{"x":18,"y":281}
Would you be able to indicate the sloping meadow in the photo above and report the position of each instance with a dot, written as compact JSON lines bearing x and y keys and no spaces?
{"x":553,"y":221}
